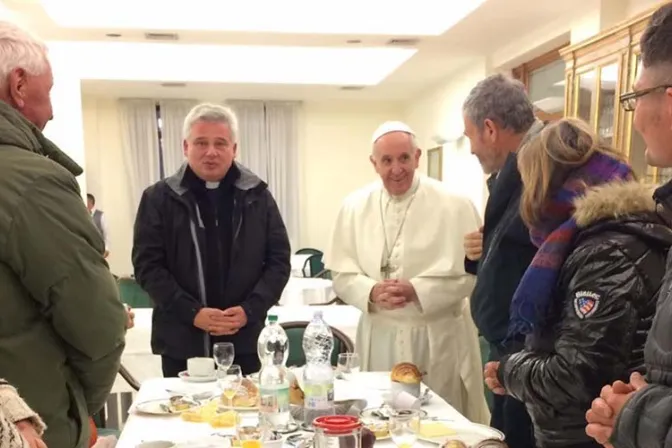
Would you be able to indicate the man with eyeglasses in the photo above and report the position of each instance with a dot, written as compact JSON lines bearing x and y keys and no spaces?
{"x":639,"y":413}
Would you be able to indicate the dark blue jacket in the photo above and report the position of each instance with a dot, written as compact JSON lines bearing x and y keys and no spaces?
{"x":507,"y":252}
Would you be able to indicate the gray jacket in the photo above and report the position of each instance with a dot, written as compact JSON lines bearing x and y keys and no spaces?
{"x":646,"y":420}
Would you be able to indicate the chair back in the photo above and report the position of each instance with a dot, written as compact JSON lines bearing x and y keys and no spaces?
{"x":313,"y":266}
{"x":295,"y":330}
{"x":132,"y":294}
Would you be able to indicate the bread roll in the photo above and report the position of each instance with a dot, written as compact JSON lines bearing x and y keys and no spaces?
{"x":407,"y":373}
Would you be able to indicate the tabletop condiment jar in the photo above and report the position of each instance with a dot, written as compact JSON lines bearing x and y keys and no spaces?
{"x":337,"y":431}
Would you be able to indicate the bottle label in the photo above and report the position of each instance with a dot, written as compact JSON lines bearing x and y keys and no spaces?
{"x":281,"y":395}
{"x":319,"y":396}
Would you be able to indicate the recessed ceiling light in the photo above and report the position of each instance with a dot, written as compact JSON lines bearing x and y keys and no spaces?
{"x":373,"y":17}
{"x":254,"y":64}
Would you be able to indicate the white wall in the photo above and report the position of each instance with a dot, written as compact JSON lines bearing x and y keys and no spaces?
{"x":334,"y":147}
{"x":334,"y":158}
{"x":438,"y":112}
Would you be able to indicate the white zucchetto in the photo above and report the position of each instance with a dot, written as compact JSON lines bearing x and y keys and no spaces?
{"x":391,"y":126}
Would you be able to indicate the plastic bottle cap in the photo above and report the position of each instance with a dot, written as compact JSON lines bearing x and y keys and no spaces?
{"x":317,"y":314}
{"x":272,"y":318}
{"x":337,"y":424}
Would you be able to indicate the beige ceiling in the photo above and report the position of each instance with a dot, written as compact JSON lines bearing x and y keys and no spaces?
{"x":490,"y":27}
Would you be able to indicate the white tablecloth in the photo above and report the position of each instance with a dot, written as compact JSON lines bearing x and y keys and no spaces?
{"x":367,"y":385}
{"x":307,"y":291}
{"x":142,"y":364}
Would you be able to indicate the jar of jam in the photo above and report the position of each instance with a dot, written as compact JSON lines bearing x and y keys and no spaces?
{"x":337,"y":431}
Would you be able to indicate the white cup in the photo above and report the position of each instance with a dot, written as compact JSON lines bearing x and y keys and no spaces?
{"x":201,"y":367}
{"x":412,"y":389}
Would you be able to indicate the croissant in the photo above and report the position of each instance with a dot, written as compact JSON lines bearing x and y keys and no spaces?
{"x":407,"y":373}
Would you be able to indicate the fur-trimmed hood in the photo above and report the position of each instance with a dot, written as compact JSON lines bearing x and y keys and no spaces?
{"x":614,"y":200}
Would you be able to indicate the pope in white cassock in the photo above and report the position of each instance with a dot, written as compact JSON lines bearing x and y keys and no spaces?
{"x":397,"y":254}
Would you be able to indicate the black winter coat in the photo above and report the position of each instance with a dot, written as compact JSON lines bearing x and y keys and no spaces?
{"x":168,"y":247}
{"x":618,"y":261}
{"x":646,"y":419}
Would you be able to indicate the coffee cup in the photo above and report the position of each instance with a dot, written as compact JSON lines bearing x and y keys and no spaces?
{"x":201,"y":367}
{"x":412,"y":389}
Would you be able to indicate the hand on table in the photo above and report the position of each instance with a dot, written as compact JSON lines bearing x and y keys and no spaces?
{"x":602,"y":415}
{"x":491,"y":380}
{"x":473,"y":245}
{"x":28,"y":432}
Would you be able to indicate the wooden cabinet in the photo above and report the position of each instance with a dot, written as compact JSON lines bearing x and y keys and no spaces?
{"x":597,"y":72}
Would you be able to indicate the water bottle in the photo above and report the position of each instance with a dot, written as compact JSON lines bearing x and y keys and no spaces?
{"x":273,"y":350}
{"x":318,"y":374}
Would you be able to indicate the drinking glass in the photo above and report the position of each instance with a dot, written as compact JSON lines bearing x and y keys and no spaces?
{"x":230,"y":381}
{"x":404,"y":427}
{"x":348,"y":365}
{"x":223,"y":353}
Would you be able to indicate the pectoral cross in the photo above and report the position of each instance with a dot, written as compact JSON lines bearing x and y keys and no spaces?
{"x":386,"y":271}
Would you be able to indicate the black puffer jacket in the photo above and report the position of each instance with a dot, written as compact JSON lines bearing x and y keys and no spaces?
{"x":607,"y":290}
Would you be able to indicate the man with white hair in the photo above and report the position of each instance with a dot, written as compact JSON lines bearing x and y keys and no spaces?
{"x":62,"y":323}
{"x":210,"y":248}
{"x":396,"y":254}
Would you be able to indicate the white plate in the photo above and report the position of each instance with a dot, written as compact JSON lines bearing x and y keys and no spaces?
{"x":467,"y":433}
{"x":155,"y":407}
{"x":184,"y":376}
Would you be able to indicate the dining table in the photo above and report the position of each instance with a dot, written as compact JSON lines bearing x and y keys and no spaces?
{"x":369,"y":386}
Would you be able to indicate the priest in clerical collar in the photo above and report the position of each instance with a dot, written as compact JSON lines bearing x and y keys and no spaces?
{"x":396,"y":254}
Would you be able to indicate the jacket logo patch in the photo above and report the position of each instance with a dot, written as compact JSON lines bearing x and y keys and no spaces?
{"x":586,"y":303}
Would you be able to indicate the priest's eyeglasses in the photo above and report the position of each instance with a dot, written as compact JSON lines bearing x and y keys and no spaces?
{"x":629,"y":100}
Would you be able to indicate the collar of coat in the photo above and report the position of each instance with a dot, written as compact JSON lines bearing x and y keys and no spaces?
{"x":17,"y":131}
{"x":613,"y":200}
{"x":246,"y":181}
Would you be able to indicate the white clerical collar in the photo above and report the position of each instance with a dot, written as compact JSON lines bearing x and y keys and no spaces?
{"x":212,"y":185}
{"x":410,"y":192}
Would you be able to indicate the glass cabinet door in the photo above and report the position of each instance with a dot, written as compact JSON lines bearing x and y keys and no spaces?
{"x":586,"y":91}
{"x":607,"y":102}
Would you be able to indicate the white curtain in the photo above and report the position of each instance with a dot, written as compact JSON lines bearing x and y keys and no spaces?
{"x":283,"y":161}
{"x":173,"y":113}
{"x":140,"y":146}
{"x":268,"y":145}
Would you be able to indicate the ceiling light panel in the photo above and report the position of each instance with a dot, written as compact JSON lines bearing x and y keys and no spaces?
{"x":129,"y":61}
{"x":372,"y":17}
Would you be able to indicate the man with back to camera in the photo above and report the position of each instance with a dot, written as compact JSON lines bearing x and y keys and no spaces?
{"x":639,"y":414}
{"x":498,"y":120}
{"x":62,"y":323}
{"x":210,"y":248}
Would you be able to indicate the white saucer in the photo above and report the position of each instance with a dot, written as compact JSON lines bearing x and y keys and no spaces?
{"x":184,"y":376}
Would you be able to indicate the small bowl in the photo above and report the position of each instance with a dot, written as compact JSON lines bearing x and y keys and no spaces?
{"x":156,"y":444}
{"x":413,"y":389}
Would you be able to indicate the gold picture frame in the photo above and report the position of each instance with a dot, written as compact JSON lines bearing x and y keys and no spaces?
{"x":435,"y":163}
